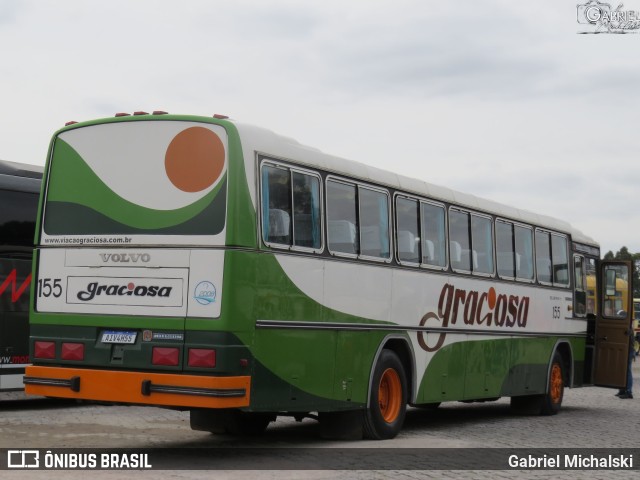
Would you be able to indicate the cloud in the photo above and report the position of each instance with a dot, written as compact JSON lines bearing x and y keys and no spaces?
{"x":9,"y":11}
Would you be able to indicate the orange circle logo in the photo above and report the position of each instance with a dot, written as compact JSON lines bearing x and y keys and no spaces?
{"x":194,"y":159}
{"x":492,"y":298}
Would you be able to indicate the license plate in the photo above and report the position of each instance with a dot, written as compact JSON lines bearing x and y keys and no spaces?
{"x":118,"y":337}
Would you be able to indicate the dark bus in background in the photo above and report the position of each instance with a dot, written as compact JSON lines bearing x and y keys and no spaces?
{"x":19,"y":191}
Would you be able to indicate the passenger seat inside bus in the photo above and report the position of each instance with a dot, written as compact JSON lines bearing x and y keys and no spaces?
{"x":429,"y":252}
{"x":342,"y":236}
{"x":279,"y":223}
{"x":407,"y":246}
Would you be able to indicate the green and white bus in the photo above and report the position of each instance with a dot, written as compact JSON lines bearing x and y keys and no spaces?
{"x":204,"y":264}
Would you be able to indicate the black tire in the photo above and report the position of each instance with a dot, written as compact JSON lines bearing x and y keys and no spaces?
{"x":233,"y":422}
{"x":385,"y":414}
{"x":341,"y":425}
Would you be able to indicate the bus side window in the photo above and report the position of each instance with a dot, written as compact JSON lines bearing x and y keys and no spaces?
{"x":434,"y":238}
{"x":276,"y":205}
{"x":374,"y":223}
{"x":560,"y":260}
{"x":459,"y":225}
{"x":580,"y":292}
{"x":524,"y":252}
{"x":504,"y":249}
{"x":306,"y":208}
{"x":291,"y":211}
{"x":408,"y":227}
{"x":342,"y":217}
{"x":482,"y":243}
{"x":543,"y":257}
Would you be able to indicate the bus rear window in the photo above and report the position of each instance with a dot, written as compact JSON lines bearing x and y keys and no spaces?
{"x":137,"y":178}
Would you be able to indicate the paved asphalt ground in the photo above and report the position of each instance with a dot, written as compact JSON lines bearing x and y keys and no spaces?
{"x":590,"y":417}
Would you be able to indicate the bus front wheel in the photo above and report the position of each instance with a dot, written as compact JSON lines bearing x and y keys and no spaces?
{"x":552,"y":400}
{"x":385,"y":414}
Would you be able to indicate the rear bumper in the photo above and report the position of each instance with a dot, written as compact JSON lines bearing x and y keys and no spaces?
{"x":160,"y":389}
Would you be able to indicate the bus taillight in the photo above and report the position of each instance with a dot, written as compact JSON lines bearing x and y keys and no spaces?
{"x":168,"y":356}
{"x":45,"y":350}
{"x":72,"y":351}
{"x":202,"y":357}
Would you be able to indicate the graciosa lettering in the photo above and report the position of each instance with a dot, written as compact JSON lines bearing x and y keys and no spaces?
{"x":480,"y":309}
{"x":130,"y":289}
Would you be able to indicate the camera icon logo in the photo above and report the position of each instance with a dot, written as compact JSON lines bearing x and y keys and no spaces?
{"x":593,"y":12}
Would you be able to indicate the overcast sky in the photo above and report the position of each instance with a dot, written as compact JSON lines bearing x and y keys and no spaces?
{"x":501,"y":99}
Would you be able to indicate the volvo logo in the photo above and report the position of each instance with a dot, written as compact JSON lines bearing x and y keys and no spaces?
{"x":125,"y":257}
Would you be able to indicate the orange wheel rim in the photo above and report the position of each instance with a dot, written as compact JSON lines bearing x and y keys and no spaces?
{"x":556,"y":383}
{"x":390,"y":395}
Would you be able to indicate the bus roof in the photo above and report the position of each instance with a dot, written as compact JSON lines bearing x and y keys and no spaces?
{"x":262,"y":140}
{"x":20,"y":177}
{"x":267,"y":142}
{"x":20,"y":169}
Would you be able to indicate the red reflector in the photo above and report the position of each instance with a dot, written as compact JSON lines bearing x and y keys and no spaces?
{"x":165,"y":356}
{"x":72,"y":351}
{"x":160,"y":112}
{"x":141,"y":113}
{"x":44,"y":350}
{"x":220,"y":117}
{"x":70,"y":123}
{"x":122,"y":114}
{"x":201,"y":357}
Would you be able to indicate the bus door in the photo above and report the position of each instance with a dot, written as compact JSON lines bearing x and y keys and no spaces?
{"x":613,"y":323}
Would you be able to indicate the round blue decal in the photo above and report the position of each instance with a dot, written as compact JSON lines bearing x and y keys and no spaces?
{"x":205,"y":293}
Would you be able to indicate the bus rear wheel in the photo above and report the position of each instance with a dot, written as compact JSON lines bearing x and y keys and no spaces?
{"x":385,"y":414}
